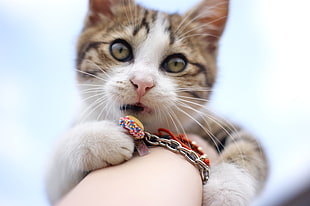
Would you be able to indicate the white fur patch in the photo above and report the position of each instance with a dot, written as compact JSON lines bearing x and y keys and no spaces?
{"x":229,"y":185}
{"x":84,"y":148}
{"x":157,"y":42}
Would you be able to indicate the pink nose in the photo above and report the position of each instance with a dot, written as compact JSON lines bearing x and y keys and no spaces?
{"x":142,"y":84}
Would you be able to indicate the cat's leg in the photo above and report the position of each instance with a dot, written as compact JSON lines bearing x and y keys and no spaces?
{"x":84,"y":148}
{"x":241,"y":168}
{"x":240,"y":173}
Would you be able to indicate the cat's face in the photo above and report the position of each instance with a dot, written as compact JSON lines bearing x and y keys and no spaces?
{"x":157,"y":67}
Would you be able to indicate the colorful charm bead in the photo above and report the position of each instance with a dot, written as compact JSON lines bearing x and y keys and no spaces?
{"x":133,"y":125}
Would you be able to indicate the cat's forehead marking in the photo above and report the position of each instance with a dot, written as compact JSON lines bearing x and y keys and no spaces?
{"x":143,"y":24}
{"x":157,"y":41}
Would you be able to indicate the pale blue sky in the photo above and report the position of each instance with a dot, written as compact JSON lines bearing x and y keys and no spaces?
{"x":263,"y":84}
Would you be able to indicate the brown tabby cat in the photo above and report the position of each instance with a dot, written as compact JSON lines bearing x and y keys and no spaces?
{"x":160,"y":68}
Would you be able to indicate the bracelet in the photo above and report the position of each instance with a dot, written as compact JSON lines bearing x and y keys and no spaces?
{"x":200,"y":161}
{"x":165,"y":138}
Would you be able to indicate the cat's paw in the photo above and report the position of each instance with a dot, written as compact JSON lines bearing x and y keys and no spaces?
{"x":100,"y":144}
{"x":86,"y":147}
{"x":228,"y":186}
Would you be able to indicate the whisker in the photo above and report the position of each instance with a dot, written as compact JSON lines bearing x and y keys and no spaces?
{"x":221,"y":121}
{"x":230,"y":126}
{"x":91,"y":90}
{"x":233,"y":131}
{"x":190,"y":102}
{"x":193,"y":90}
{"x":230,"y":130}
{"x":179,"y":123}
{"x":92,"y":96}
{"x":175,"y":121}
{"x":91,"y":75}
{"x":159,"y":114}
{"x":93,"y":106}
{"x":208,"y":132}
{"x":88,"y":85}
{"x":172,"y":120}
{"x":194,"y":99}
{"x":104,"y":109}
{"x":99,"y":104}
{"x":111,"y":112}
{"x":98,"y":67}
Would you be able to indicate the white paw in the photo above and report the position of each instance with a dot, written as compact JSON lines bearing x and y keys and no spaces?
{"x":84,"y":148}
{"x":100,"y":144}
{"x":228,"y":186}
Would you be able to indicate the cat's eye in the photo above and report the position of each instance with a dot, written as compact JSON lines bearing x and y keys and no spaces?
{"x":175,"y":63}
{"x":121,"y":50}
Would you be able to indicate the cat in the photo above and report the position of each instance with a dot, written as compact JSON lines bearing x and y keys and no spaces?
{"x":160,"y":68}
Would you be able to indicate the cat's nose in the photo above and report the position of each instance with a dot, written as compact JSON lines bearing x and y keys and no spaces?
{"x":142,"y":84}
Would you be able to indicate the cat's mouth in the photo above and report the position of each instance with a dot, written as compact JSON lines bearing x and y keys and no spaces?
{"x":137,"y":108}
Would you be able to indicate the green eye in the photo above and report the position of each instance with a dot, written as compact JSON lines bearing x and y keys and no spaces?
{"x":121,"y":50}
{"x":175,"y":63}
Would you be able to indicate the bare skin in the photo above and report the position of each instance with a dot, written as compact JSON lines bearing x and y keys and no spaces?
{"x":146,"y":180}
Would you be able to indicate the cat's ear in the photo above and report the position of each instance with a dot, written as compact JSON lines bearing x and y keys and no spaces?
{"x":104,"y":9}
{"x":212,"y":15}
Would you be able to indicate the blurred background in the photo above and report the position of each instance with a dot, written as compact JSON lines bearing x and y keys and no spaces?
{"x":263,"y":84}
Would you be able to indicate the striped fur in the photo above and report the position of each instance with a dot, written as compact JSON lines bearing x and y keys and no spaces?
{"x":176,"y":101}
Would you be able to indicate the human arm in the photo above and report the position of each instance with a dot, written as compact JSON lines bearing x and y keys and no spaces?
{"x":159,"y":178}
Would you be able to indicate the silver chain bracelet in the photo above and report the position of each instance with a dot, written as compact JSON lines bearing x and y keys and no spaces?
{"x":175,"y":146}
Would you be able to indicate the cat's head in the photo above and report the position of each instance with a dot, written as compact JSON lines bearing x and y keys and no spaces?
{"x":156,"y":66}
